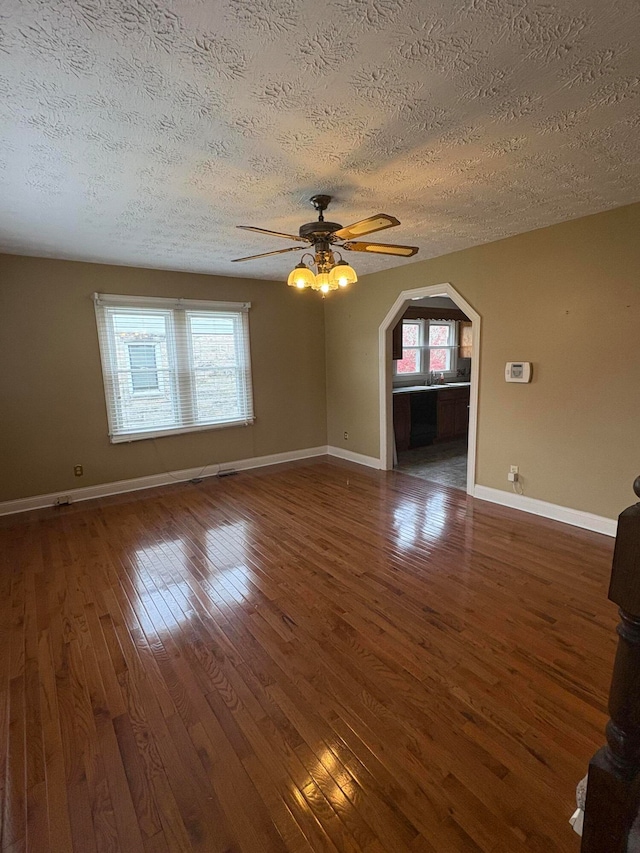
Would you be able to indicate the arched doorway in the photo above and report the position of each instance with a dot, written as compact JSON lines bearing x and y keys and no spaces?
{"x":386,"y":372}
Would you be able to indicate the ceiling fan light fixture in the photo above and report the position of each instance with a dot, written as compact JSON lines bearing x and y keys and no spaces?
{"x":343,"y":274}
{"x":324,"y":239}
{"x":301,"y":276}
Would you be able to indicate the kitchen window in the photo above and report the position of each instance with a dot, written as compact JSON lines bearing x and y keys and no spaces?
{"x":427,"y":346}
{"x":173,"y":365}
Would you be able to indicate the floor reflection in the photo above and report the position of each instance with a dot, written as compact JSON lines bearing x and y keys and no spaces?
{"x":173,"y":577}
{"x":420,"y":517}
{"x":328,"y":780}
{"x":225,"y":548}
{"x":160,"y":584}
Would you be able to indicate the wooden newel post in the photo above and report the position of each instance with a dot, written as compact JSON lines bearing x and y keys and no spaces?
{"x":614,"y":771}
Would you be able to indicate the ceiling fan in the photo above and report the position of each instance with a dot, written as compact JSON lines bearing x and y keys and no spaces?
{"x":326,"y":238}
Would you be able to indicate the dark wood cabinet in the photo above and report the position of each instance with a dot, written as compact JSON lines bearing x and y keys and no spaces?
{"x":453,"y":413}
{"x":402,"y":420}
{"x":397,"y":342}
{"x":462,"y":412}
{"x":421,"y":417}
{"x":446,"y":415}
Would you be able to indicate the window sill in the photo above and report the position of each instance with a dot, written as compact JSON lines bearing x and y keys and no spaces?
{"x":126,"y":438}
{"x":421,"y":378}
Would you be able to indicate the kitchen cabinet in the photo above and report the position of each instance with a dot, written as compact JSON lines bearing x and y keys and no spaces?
{"x":466,"y":339}
{"x":446,"y":415}
{"x":453,"y":413}
{"x":397,"y":342}
{"x":402,"y":420}
{"x":461,"y":415}
{"x":422,"y":415}
{"x":414,"y":418}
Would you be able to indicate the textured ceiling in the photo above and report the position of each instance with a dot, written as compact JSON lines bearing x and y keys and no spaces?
{"x":141,"y":131}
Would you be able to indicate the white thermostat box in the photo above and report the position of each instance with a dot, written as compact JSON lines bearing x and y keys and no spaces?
{"x":518,"y":371}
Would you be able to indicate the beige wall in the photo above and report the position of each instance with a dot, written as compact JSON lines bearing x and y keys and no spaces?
{"x":51,"y":395}
{"x":566,"y":298}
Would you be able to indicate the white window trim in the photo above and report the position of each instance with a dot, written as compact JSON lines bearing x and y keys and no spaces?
{"x":167,"y":303}
{"x":453,"y":362}
{"x":119,"y":300}
{"x":418,"y":348}
{"x":423,"y":352}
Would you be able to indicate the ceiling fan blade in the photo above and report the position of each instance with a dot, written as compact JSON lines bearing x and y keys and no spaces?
{"x":266,"y":254}
{"x":367,"y":226}
{"x":272,"y":233}
{"x":382,"y":249}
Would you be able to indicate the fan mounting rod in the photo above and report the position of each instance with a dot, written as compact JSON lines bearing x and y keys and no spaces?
{"x":321,"y":203}
{"x":320,"y":233}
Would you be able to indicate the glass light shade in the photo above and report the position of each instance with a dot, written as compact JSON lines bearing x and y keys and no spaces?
{"x":342,"y":274}
{"x":322,"y":282}
{"x":301,"y":276}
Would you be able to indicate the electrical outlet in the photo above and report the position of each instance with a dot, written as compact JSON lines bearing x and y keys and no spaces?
{"x":513,"y":469}
{"x":513,"y":477}
{"x":78,"y":471}
{"x":62,"y":500}
{"x":346,"y":436}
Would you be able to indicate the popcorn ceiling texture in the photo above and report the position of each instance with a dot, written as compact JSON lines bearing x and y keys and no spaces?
{"x":142,"y":132}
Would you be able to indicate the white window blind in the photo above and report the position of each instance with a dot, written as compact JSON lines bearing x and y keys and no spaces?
{"x":173,"y":365}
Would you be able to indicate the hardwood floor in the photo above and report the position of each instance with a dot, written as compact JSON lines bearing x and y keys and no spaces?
{"x":314,"y":657}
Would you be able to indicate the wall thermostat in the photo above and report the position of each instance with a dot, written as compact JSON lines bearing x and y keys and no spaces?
{"x":518,"y":371}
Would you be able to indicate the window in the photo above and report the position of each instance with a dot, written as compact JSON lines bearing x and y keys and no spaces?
{"x":441,"y":346}
{"x":144,"y":374}
{"x":411,"y":361}
{"x":173,"y":365}
{"x":427,"y":346}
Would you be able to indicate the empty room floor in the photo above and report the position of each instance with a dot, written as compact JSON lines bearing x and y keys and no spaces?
{"x":313,"y":657}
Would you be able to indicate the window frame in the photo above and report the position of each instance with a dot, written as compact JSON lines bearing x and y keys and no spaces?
{"x":424,"y":349}
{"x":453,"y":347}
{"x":179,"y":345}
{"x":418,"y":348}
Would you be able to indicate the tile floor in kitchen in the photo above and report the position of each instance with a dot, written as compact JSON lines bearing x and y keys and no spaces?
{"x":440,"y":463}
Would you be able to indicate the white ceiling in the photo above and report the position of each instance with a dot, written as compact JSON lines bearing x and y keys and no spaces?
{"x":141,"y":132}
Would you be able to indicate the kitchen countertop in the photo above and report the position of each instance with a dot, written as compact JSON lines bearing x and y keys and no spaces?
{"x":413,"y":388}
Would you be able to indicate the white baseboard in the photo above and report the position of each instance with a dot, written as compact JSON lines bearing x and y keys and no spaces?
{"x":166,"y":478}
{"x":349,"y":455}
{"x":575,"y":517}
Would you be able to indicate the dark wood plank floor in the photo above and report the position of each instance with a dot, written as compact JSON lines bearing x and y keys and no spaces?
{"x":314,"y":657}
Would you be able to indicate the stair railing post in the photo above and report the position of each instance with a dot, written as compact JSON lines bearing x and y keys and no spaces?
{"x":611,"y":803}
